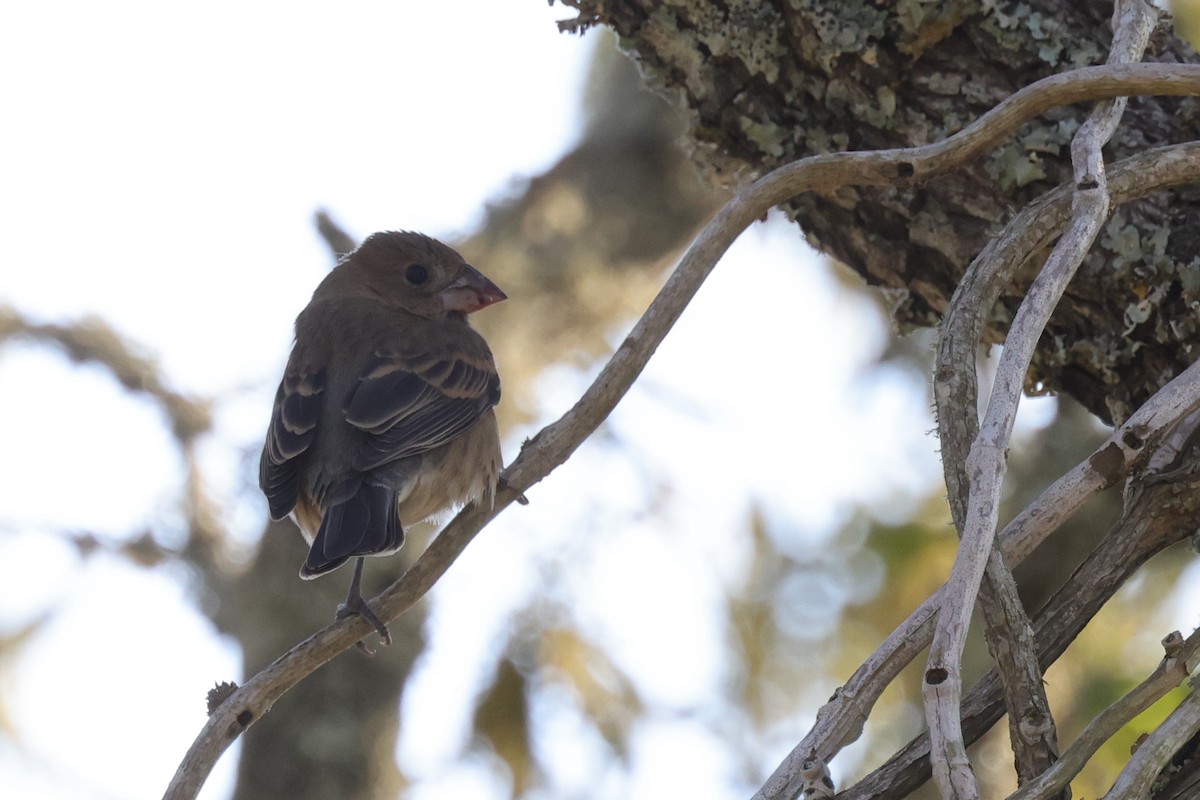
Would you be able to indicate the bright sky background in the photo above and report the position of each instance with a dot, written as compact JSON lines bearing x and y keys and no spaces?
{"x":160,"y":167}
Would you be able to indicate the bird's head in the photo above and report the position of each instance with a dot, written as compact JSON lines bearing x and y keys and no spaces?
{"x":422,"y":275}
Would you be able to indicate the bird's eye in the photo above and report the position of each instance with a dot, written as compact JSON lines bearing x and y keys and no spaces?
{"x":416,"y":274}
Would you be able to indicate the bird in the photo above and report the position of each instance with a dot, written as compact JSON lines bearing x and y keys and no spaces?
{"x":385,"y":413}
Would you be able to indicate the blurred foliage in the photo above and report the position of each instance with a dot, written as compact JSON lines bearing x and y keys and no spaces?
{"x":605,"y":695}
{"x":502,"y":720}
{"x":1187,"y":20}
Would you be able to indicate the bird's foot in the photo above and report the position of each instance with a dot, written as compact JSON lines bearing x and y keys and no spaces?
{"x":355,"y":605}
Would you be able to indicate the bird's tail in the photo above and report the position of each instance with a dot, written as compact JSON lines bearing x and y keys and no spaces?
{"x":366,"y":524}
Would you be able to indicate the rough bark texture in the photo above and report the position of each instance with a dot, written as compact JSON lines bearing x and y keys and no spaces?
{"x":765,"y":83}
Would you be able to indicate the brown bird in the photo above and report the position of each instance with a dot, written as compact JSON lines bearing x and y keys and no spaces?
{"x":384,"y":415}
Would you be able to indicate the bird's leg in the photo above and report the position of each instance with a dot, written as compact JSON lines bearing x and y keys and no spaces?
{"x":355,"y":604}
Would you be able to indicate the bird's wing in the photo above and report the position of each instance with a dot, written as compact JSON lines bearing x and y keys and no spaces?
{"x":293,"y":426}
{"x":409,"y":403}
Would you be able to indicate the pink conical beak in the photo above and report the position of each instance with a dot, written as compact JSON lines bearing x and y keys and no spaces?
{"x":471,"y":292}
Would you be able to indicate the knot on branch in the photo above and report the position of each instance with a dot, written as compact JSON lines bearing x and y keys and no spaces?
{"x":218,"y":694}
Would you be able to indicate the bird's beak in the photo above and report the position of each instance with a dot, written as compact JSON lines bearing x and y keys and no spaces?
{"x":471,"y":292}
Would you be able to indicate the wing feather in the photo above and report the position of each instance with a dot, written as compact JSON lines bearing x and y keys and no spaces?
{"x":293,"y":427}
{"x":409,"y":404}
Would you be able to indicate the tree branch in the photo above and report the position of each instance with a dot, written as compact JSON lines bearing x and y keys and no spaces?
{"x":976,"y":477}
{"x":91,"y":340}
{"x":1155,"y":751}
{"x":555,"y":443}
{"x":1179,"y":661}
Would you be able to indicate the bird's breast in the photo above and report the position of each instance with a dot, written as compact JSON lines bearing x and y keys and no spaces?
{"x":461,"y":471}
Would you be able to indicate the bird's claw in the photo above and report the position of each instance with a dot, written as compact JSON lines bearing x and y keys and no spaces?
{"x":357,"y":606}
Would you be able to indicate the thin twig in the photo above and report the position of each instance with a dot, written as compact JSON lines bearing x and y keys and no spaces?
{"x":1155,"y":751}
{"x":555,"y":443}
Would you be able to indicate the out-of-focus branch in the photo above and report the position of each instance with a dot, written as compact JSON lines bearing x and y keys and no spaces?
{"x":555,"y":443}
{"x":340,"y":243}
{"x":91,"y":340}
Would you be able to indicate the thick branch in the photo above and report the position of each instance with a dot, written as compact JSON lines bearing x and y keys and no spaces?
{"x":766,"y":83}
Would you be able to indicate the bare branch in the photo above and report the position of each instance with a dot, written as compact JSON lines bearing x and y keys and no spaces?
{"x":1032,"y":732}
{"x":92,"y":340}
{"x":986,"y":463}
{"x":340,"y":243}
{"x":1180,"y":659}
{"x":1155,"y":751}
{"x":555,"y":443}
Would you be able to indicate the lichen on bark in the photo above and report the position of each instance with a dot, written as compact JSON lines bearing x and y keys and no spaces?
{"x":766,"y":83}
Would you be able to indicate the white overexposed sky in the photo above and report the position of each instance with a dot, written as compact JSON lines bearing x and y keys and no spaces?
{"x":159,"y":168}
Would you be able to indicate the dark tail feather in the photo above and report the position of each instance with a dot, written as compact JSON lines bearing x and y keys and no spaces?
{"x":364,"y":525}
